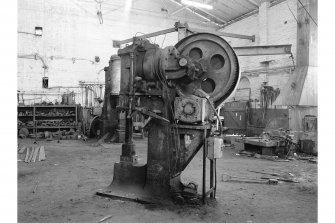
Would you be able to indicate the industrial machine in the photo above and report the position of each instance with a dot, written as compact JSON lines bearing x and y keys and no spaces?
{"x":177,"y":89}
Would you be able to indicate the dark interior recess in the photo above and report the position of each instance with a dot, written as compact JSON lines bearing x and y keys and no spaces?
{"x":217,"y":61}
{"x":208,"y":85}
{"x":195,"y":53}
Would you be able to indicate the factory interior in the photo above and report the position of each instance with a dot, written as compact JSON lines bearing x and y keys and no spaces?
{"x":166,"y":111}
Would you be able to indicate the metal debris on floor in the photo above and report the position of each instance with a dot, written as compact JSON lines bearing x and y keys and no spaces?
{"x":239,"y":179}
{"x":269,"y":180}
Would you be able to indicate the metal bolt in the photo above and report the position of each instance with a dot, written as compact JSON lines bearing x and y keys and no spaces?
{"x":182,"y":62}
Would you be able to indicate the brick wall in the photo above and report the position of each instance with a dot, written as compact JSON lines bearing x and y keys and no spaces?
{"x":282,"y":29}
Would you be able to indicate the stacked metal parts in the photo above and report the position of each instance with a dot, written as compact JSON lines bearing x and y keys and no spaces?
{"x":177,"y":90}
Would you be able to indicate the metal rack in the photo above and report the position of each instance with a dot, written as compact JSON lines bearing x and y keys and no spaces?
{"x":31,"y":113}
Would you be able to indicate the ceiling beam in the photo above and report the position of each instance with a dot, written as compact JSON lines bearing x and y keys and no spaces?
{"x":253,"y":12}
{"x":276,"y":2}
{"x":178,"y":10}
{"x":227,"y":6}
{"x":204,"y":14}
{"x":253,"y":3}
{"x":214,"y":16}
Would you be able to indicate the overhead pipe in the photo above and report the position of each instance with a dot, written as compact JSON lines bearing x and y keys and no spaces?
{"x":35,"y":56}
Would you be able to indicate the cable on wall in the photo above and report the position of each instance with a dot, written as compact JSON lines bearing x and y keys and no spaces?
{"x":291,"y":12}
{"x":308,"y":13}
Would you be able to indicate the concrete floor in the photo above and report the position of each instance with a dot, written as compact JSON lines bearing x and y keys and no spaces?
{"x":74,"y":170}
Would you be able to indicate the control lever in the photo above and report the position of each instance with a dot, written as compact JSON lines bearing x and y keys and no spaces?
{"x":149,"y":113}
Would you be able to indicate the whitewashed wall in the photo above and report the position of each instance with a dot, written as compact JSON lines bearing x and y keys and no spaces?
{"x":71,"y":29}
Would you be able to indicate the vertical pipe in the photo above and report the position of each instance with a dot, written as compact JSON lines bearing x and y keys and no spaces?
{"x":100,"y":91}
{"x":215,"y":178}
{"x":34,"y":121}
{"x":91,"y":96}
{"x":211,"y":180}
{"x":204,"y":167}
{"x":82,"y":95}
{"x":129,"y":123}
{"x":86,"y":96}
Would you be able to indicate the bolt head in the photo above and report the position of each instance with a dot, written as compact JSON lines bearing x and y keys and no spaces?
{"x":182,"y":62}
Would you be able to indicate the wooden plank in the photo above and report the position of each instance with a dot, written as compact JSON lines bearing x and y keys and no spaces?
{"x":42,"y":154}
{"x":35,"y":153}
{"x":31,"y":154}
{"x":105,"y":218}
{"x":23,"y":148}
{"x":27,"y":154}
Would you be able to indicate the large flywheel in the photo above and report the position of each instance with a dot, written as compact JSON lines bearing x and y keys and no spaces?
{"x":219,"y":61}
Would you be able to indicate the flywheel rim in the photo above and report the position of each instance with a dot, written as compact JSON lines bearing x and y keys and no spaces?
{"x":219,"y":60}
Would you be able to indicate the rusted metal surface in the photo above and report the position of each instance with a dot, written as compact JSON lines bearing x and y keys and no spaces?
{"x":192,"y":109}
{"x":151,"y":80}
{"x":126,"y":174}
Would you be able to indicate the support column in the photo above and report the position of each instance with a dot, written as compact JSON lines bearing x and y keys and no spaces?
{"x":307,"y":37}
{"x":301,"y":88}
{"x":263,"y":25}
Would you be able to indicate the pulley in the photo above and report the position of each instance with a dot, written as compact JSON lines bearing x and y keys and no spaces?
{"x":218,"y":61}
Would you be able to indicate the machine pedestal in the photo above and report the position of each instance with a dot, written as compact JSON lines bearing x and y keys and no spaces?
{"x":127,"y":174}
{"x":128,"y":154}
